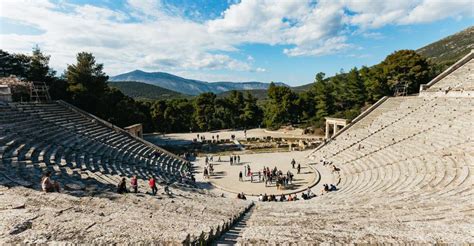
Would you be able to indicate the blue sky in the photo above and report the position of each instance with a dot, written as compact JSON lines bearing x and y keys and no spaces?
{"x":229,"y":40}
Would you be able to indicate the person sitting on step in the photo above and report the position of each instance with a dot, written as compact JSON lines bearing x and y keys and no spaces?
{"x":122,"y":186}
{"x":47,"y":185}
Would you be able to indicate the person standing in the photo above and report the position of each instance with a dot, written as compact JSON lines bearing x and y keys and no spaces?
{"x":293,"y":162}
{"x":240,"y":176}
{"x":299,"y":168}
{"x":152,"y":183}
{"x":134,"y":183}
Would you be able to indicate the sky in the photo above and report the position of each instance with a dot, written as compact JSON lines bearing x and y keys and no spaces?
{"x":229,"y":40}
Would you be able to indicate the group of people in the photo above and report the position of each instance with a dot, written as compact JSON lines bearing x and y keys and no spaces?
{"x":122,"y":186}
{"x":247,"y":172}
{"x":328,"y":187}
{"x":234,"y":159}
{"x":281,"y":180}
{"x":203,"y":138}
{"x":273,"y":198}
{"x":298,"y":167}
{"x":208,"y":170}
{"x":241,"y":196}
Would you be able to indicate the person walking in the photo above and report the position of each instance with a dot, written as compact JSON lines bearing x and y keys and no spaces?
{"x":152,"y":183}
{"x":299,"y":168}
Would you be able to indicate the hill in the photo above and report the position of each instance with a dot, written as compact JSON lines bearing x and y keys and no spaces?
{"x":139,"y":90}
{"x":187,"y":86}
{"x":450,"y":49}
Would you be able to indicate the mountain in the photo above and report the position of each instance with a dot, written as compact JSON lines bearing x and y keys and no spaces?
{"x":443,"y":52}
{"x":139,"y":90}
{"x":448,"y":50}
{"x":187,"y":86}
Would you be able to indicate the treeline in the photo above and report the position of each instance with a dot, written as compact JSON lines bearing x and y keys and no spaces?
{"x":84,"y":84}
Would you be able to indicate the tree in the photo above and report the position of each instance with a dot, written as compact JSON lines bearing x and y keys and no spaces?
{"x":39,"y":69}
{"x":323,"y":97}
{"x":86,"y":82}
{"x":356,"y":93}
{"x":252,"y":114}
{"x":281,"y":107}
{"x":406,"y":66}
{"x":204,"y":111}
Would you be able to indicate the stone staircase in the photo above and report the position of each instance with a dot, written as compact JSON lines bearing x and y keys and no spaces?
{"x":231,"y":236}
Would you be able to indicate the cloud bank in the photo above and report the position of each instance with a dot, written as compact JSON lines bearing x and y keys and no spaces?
{"x":145,"y":34}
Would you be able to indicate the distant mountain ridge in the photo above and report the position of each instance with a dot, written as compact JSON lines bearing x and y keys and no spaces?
{"x":187,"y":86}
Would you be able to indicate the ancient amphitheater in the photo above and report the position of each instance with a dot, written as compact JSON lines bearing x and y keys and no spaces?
{"x":405,"y":176}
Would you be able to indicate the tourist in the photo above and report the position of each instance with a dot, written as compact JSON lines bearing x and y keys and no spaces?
{"x":206,"y":173}
{"x":134,"y":183}
{"x":265,"y":198}
{"x":243,"y":196}
{"x":299,"y":168}
{"x":259,"y":177}
{"x":152,"y":184}
{"x":293,"y":162}
{"x":333,"y":188}
{"x":167,"y":190}
{"x":219,"y":159}
{"x":240,"y":176}
{"x":245,"y":170}
{"x":248,"y":170}
{"x":231,"y":160}
{"x":309,"y":193}
{"x":326,"y":188}
{"x":282,"y":198}
{"x":260,"y":198}
{"x":47,"y":185}
{"x":217,"y":137}
{"x":122,"y":187}
{"x":238,"y":159}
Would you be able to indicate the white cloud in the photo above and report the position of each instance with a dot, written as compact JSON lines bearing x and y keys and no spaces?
{"x":146,"y":35}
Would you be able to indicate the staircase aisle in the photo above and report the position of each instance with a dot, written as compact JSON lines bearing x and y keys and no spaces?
{"x":232,"y":235}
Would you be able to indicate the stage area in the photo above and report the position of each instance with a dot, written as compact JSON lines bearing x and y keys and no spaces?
{"x":186,"y":138}
{"x":226,"y":176}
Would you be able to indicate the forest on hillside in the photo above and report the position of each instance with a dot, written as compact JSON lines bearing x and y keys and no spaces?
{"x":84,"y":84}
